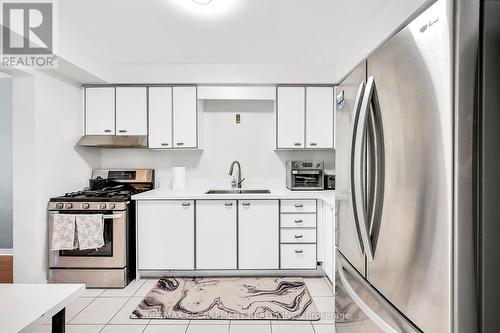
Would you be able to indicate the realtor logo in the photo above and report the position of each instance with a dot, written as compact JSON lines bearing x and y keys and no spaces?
{"x":28,"y":34}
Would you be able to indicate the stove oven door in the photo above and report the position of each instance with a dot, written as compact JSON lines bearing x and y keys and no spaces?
{"x":112,"y":255}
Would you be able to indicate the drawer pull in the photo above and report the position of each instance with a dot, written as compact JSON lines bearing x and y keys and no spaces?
{"x":180,"y":143}
{"x":313,"y":144}
{"x":245,"y":204}
{"x":299,"y":251}
{"x":299,"y":236}
{"x":228,"y":204}
{"x":299,"y":206}
{"x":107,"y":131}
{"x":122,"y":131}
{"x":299,"y":221}
{"x":164,"y":144}
{"x":297,"y":144}
{"x":186,"y":204}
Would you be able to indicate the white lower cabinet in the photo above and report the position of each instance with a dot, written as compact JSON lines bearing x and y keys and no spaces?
{"x":165,"y":235}
{"x":298,"y":256}
{"x":216,"y":233}
{"x":258,"y":234}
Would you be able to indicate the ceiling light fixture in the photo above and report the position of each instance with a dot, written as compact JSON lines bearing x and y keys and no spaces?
{"x":209,"y":9}
{"x":202,"y":2}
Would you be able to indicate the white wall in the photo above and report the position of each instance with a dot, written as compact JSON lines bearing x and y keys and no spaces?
{"x":252,"y":142}
{"x":47,"y":123}
{"x":219,"y":73}
{"x":6,"y":163}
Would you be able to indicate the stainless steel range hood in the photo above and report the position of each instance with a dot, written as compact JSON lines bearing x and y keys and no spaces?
{"x":114,"y":141}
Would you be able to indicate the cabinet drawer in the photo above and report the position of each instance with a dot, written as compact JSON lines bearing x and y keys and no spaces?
{"x":298,"y":220}
{"x":298,"y":206}
{"x":298,"y":235}
{"x":298,"y":256}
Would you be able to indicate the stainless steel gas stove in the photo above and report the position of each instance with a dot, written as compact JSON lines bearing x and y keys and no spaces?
{"x":109,"y":193}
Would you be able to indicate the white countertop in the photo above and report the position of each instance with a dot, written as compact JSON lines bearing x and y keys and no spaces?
{"x":199,"y":194}
{"x":25,"y":306}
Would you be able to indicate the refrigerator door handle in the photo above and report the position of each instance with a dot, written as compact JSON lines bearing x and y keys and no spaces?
{"x":355,"y":120}
{"x":377,"y":157}
{"x":357,"y":173}
{"x":401,"y":324}
{"x":362,"y":305}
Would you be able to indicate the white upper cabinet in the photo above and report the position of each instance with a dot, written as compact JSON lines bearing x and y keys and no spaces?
{"x":291,"y":117}
{"x":319,"y":117}
{"x":131,"y":111}
{"x":185,"y":117}
{"x":160,"y":117}
{"x":258,"y":230}
{"x":100,"y":111}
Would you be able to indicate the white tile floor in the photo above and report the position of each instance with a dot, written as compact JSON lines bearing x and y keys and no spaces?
{"x":107,"y":311}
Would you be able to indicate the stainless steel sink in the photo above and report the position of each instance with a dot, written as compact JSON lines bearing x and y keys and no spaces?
{"x":237,"y":192}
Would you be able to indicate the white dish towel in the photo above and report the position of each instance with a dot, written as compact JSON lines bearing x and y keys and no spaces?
{"x":63,"y":232}
{"x":90,"y":231}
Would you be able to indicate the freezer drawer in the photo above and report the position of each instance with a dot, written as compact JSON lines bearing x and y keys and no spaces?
{"x":298,"y":256}
{"x":365,"y":302}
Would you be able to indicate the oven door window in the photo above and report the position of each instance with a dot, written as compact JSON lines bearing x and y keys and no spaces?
{"x":105,"y":251}
{"x":307,"y":179}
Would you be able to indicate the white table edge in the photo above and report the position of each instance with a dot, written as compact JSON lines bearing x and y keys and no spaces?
{"x":58,"y":307}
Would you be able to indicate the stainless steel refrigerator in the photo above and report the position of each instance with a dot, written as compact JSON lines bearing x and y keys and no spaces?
{"x":404,"y":192}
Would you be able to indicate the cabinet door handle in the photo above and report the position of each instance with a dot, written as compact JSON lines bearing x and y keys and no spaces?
{"x":299,"y":236}
{"x":299,"y":206}
{"x":228,"y":204}
{"x":299,"y":221}
{"x":122,"y":131}
{"x":180,"y":143}
{"x":313,"y":144}
{"x":164,"y":144}
{"x":107,"y":131}
{"x":297,"y":144}
{"x":186,"y":204}
{"x":245,"y":204}
{"x":299,"y":251}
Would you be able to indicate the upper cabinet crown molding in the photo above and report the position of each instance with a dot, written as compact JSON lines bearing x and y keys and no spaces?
{"x":237,"y":92}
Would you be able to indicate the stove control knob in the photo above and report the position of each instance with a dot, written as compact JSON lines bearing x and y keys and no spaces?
{"x":102,"y":206}
{"x":59,"y":206}
{"x":69,"y":206}
{"x":85,"y":206}
{"x":112,"y":206}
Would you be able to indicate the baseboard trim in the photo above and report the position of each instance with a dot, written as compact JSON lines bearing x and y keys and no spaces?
{"x":6,"y":252}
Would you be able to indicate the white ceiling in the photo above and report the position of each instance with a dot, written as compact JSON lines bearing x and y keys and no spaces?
{"x":286,"y":32}
{"x":249,"y":31}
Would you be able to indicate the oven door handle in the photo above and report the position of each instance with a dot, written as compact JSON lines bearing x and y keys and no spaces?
{"x":306,"y":172}
{"x":106,"y":216}
{"x":112,"y":216}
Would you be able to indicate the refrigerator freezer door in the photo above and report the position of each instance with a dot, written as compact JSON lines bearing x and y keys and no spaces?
{"x":348,"y":237}
{"x":412,"y":267}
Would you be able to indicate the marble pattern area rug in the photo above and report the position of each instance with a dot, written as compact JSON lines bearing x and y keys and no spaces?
{"x":233,"y":298}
